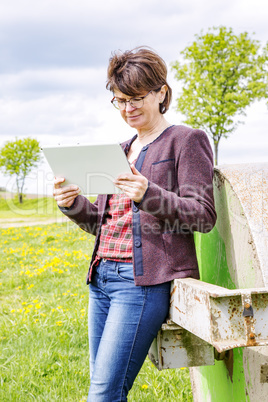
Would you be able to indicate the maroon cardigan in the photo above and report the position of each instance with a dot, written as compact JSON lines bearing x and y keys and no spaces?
{"x":178,"y":201}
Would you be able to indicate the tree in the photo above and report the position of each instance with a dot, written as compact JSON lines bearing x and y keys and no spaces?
{"x":18,"y":158}
{"x":222,"y":74}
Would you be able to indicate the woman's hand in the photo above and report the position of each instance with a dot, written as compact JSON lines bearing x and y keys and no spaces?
{"x":133,"y":185}
{"x":66,"y":195}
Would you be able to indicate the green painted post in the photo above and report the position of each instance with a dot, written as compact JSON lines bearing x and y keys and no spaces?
{"x":218,"y":383}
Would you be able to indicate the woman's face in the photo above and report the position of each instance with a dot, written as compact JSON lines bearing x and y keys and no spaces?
{"x":145,"y":117}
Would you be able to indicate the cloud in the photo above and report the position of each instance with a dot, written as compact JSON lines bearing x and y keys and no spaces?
{"x":38,"y":83}
{"x":55,"y":114}
{"x":79,"y":34}
{"x":54,"y":56}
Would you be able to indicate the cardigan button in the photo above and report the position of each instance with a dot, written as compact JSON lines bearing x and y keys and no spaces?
{"x":137,"y":243}
{"x":135,"y":209}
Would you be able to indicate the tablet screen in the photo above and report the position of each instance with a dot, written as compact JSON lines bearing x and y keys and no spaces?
{"x":91,"y":167}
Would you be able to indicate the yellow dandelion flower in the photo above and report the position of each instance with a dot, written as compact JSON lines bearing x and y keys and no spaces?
{"x":144,"y":386}
{"x":37,"y":306}
{"x":59,"y":323}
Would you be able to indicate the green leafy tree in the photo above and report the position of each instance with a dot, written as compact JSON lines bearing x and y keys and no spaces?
{"x":18,"y":158}
{"x":222,"y":73}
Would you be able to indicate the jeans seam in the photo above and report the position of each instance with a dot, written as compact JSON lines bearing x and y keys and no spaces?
{"x":121,"y":277}
{"x":134,"y":340}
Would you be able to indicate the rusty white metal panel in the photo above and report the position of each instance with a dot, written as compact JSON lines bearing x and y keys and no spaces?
{"x":250,"y":185}
{"x":175,"y":347}
{"x":224,"y":318}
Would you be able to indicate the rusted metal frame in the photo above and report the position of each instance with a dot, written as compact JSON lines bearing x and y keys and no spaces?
{"x":248,"y":315}
{"x":176,"y":347}
{"x":222,"y":317}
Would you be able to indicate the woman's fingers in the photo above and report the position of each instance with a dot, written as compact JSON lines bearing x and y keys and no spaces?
{"x":58,"y":181}
{"x":65,"y":190}
{"x":135,"y":171}
{"x":133,"y":185}
{"x":67,"y":202}
{"x":66,"y":195}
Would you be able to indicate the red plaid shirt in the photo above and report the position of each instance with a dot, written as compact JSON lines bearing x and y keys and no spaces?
{"x":116,"y":233}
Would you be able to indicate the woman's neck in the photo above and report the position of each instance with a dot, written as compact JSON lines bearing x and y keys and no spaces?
{"x":147,"y":136}
{"x":144,"y":138}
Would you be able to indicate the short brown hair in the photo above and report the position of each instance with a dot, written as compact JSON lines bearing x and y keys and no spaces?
{"x":140,"y":69}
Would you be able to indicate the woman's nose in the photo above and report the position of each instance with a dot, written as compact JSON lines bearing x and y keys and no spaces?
{"x":129,"y":108}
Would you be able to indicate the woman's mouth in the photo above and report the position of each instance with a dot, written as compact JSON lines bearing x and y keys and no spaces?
{"x":133,"y":117}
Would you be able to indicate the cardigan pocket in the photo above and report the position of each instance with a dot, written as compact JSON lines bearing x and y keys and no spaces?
{"x":163,"y":173}
{"x":179,"y":249}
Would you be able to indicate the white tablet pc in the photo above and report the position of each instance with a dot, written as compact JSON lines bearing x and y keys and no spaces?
{"x":91,"y":167}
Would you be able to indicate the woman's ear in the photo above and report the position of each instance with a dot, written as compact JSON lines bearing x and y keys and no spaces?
{"x":162,"y":93}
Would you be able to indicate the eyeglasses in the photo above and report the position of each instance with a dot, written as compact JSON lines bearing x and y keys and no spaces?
{"x":137,"y":103}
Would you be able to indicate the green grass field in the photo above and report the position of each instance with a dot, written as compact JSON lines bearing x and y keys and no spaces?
{"x":43,"y":321}
{"x":41,"y":208}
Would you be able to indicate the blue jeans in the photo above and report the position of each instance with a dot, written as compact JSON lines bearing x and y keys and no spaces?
{"x":123,"y":321}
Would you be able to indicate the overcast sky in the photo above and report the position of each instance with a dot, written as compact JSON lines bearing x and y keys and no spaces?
{"x":54,"y":55}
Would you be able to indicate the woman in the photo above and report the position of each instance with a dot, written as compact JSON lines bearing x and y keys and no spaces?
{"x":144,"y":236}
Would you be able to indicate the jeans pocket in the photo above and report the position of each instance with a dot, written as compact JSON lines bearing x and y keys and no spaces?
{"x":125,"y":272}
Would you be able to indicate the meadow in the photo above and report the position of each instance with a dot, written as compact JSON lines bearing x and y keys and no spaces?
{"x":42,"y":208}
{"x":43,"y":321}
